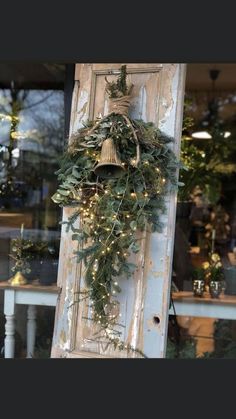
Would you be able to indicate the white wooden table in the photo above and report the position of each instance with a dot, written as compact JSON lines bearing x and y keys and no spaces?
{"x":186,"y":304}
{"x":32,"y":295}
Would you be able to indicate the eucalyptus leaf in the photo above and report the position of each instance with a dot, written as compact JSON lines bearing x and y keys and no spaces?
{"x":111,"y":209}
{"x":133,"y":225}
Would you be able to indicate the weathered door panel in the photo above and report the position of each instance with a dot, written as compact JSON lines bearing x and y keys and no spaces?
{"x":144,"y":300}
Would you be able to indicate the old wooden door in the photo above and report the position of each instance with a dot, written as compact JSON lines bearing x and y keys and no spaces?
{"x":144,"y":300}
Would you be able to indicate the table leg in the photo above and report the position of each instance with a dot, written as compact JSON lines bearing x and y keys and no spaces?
{"x":9,"y":311}
{"x":31,"y":330}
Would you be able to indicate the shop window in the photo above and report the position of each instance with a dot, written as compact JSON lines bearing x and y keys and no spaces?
{"x":204,"y":262}
{"x":33,"y":123}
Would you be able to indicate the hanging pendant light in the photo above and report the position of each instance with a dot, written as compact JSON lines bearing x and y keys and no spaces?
{"x":212,"y":115}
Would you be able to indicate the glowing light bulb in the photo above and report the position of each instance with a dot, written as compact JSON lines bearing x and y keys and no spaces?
{"x":127,"y":216}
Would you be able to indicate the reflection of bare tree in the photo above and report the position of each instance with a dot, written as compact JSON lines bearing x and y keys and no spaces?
{"x":46,"y":112}
{"x":15,"y":104}
{"x":50,"y":129}
{"x":36,"y":126}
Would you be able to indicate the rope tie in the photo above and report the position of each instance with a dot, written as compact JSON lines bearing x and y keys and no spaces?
{"x":119,"y":105}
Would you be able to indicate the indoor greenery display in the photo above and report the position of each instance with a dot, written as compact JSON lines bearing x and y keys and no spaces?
{"x":111,"y":209}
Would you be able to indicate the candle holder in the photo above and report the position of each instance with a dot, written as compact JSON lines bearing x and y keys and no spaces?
{"x":18,"y":279}
{"x":215,"y":288}
{"x":198,"y":287}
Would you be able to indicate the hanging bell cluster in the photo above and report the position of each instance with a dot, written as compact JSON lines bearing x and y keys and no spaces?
{"x":109,"y":165}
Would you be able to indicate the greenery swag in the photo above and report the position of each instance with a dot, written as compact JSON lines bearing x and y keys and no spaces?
{"x":112,"y":210}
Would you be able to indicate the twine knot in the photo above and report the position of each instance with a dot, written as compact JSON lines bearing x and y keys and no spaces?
{"x":119,"y":105}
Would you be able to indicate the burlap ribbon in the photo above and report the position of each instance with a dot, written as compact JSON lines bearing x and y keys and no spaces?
{"x":119,"y":105}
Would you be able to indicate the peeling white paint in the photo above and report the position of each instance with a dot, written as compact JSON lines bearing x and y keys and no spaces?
{"x":143,"y":104}
{"x":66,"y":345}
{"x":83,"y":105}
{"x":167,"y":123}
{"x":106,"y":107}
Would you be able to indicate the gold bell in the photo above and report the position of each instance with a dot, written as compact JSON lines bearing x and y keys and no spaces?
{"x":109,"y":164}
{"x":18,"y":279}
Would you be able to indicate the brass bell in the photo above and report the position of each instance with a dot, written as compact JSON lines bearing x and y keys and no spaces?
{"x":109,"y":164}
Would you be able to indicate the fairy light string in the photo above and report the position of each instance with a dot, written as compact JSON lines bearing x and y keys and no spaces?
{"x":111,"y":210}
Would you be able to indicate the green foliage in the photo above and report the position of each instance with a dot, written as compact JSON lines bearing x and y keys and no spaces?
{"x":213,"y":269}
{"x":20,"y":254}
{"x":185,"y":350}
{"x":199,"y":274}
{"x":112,"y":210}
{"x":225,"y":345}
{"x":119,"y":87}
{"x":205,"y":162}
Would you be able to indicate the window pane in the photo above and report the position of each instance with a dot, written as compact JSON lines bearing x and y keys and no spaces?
{"x":31,"y":141}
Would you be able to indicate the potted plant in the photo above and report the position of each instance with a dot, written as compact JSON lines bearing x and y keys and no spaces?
{"x":213,"y":275}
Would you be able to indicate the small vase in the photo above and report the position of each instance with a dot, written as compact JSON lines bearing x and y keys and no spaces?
{"x":198,"y":287}
{"x":215,"y":288}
